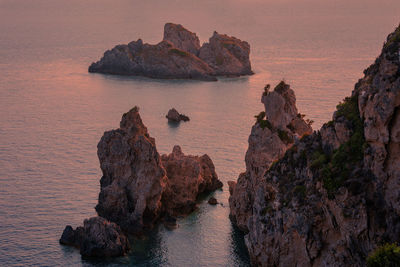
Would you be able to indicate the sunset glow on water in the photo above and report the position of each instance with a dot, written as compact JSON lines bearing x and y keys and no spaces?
{"x":53,"y":112}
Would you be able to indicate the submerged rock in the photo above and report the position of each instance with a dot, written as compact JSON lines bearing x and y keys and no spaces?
{"x":177,"y":57}
{"x":97,"y":238}
{"x":334,"y":195}
{"x":174,"y":116}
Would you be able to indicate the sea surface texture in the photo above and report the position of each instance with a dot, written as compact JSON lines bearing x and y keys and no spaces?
{"x":53,"y":112}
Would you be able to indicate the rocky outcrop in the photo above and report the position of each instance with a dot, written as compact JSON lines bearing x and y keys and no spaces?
{"x":188,"y":177}
{"x":334,"y":196}
{"x":162,"y":60}
{"x":138,"y":186}
{"x":227,"y":55}
{"x":97,"y":238}
{"x":181,"y":38}
{"x":270,"y":137}
{"x":176,"y":57}
{"x":133,"y":178}
{"x":174,"y":116}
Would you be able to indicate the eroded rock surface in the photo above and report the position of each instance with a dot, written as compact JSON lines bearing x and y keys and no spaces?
{"x":138,"y":186}
{"x":273,"y":133}
{"x":182,"y":38}
{"x":97,"y":238}
{"x":227,"y":55}
{"x":177,"y":57}
{"x":139,"y":189}
{"x":188,"y":177}
{"x":334,"y":196}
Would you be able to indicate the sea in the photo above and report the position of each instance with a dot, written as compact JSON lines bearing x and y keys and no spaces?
{"x":53,"y":112}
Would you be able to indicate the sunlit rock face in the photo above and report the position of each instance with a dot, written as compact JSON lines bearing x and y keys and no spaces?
{"x":273,"y":133}
{"x":334,"y":195}
{"x":177,"y":57}
{"x":227,"y":55}
{"x":182,"y":38}
{"x":138,"y":186}
{"x":188,"y":176}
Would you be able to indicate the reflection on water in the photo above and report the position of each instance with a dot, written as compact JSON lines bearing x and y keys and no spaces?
{"x":53,"y":112}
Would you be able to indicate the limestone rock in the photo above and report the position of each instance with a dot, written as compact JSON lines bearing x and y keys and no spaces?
{"x":97,"y":238}
{"x":268,"y":141}
{"x":227,"y":55}
{"x":176,"y":57}
{"x":162,"y":60}
{"x":174,"y":116}
{"x":335,"y":195}
{"x":133,"y":178}
{"x":138,"y":186}
{"x":182,"y":38}
{"x":188,"y":176}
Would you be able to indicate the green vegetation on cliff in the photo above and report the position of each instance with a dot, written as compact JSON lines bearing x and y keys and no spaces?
{"x":387,"y":255}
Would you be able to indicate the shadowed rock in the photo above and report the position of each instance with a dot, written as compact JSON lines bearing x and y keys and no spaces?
{"x":97,"y":238}
{"x":174,"y":116}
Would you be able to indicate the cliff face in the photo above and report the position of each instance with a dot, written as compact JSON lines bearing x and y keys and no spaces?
{"x":270,"y":137}
{"x":178,"y":56}
{"x":334,"y":196}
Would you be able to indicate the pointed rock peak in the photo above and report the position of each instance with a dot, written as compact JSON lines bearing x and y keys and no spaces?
{"x":181,"y":38}
{"x":131,"y":120}
{"x":280,"y":105}
{"x":177,"y":151}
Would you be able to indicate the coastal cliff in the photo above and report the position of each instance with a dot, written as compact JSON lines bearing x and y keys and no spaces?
{"x":139,"y":188}
{"x":178,"y":56}
{"x":334,"y":196}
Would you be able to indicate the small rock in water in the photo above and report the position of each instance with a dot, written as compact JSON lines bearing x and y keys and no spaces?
{"x":213,"y":201}
{"x":174,"y":116}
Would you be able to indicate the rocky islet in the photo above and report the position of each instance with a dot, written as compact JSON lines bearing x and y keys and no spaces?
{"x":178,"y":56}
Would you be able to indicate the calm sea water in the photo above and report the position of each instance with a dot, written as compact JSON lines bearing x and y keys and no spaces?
{"x":53,"y":113}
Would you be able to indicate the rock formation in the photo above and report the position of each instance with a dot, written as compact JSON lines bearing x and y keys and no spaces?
{"x":268,"y":141}
{"x":188,"y":177}
{"x":181,"y":38}
{"x":334,"y":196}
{"x":139,"y":188}
{"x":174,"y":116}
{"x":177,"y":57}
{"x":227,"y":56}
{"x":97,"y":238}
